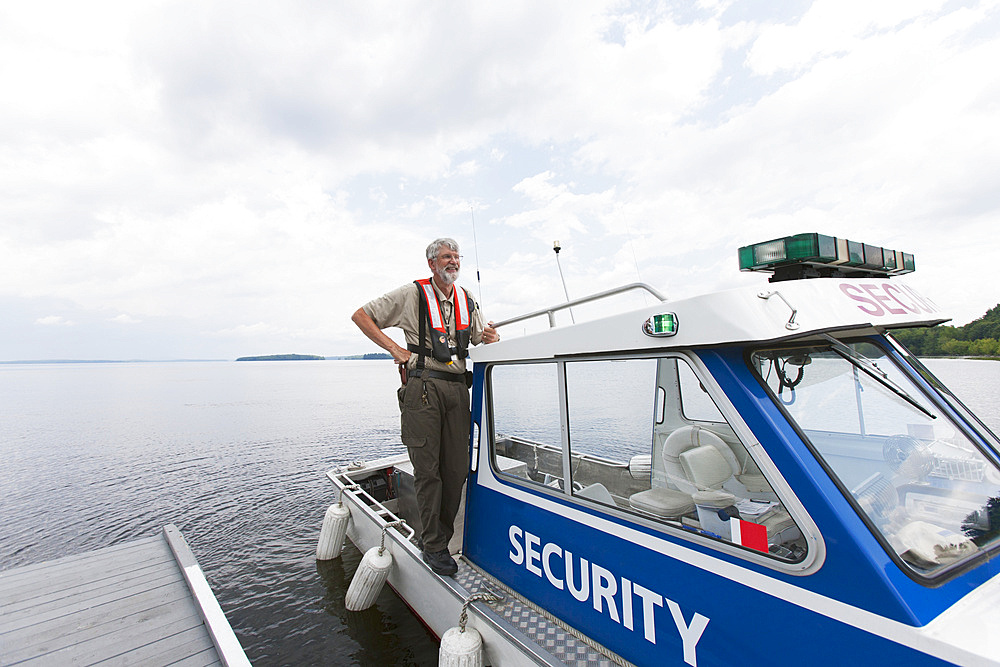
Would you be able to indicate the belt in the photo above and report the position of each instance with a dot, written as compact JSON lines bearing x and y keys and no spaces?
{"x":439,"y":375}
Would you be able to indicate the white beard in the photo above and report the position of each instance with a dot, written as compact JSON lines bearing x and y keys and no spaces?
{"x":447,"y":278}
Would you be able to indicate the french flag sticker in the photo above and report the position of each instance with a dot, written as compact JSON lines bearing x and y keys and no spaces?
{"x":748,"y":534}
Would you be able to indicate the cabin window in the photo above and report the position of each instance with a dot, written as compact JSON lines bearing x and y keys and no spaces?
{"x":640,"y":436}
{"x":917,"y":478}
{"x":526,"y":422}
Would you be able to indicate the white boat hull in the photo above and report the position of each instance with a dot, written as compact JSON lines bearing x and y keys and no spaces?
{"x":437,"y":600}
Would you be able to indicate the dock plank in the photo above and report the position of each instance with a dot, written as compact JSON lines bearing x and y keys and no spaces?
{"x":141,"y":603}
{"x":86,"y":605}
{"x":198,"y":660}
{"x":142,"y":545}
{"x":191,"y":646}
{"x":107,"y":641}
{"x":59,"y":575}
{"x":86,"y":586}
{"x":137,"y":612}
{"x":158,"y":646}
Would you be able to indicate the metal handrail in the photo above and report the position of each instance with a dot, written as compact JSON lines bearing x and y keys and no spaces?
{"x":551,"y":312}
{"x":381,"y":511}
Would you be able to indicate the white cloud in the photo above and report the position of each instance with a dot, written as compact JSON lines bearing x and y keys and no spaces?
{"x":55,"y":321}
{"x":832,"y":28}
{"x":259,"y":171}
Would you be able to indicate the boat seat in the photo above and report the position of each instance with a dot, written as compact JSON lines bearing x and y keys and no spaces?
{"x":781,"y":527}
{"x":597,"y":492}
{"x":755,"y":483}
{"x":667,"y":503}
{"x":687,"y":438}
{"x":694,"y":459}
{"x":705,"y":467}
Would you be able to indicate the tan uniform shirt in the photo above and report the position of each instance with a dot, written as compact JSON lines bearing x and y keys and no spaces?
{"x":401,"y":308}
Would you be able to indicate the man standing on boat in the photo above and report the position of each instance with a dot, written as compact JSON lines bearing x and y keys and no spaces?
{"x":439,"y":320}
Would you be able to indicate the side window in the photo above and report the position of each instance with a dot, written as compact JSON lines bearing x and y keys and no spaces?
{"x":611,"y":406}
{"x":694,"y":401}
{"x":645,"y":438}
{"x":526,"y":422}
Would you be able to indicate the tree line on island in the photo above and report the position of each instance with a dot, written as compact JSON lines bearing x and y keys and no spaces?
{"x":313,"y":357}
{"x":979,"y":338}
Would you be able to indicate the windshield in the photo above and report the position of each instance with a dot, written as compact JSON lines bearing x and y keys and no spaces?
{"x":927,"y":489}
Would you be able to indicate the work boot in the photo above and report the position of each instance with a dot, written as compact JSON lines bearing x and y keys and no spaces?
{"x":441,"y":562}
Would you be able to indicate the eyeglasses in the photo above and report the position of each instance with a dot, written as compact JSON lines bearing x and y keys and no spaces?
{"x":448,"y":257}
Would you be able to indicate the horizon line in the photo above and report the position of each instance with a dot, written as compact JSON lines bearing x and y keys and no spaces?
{"x":337,"y":357}
{"x":100,"y":361}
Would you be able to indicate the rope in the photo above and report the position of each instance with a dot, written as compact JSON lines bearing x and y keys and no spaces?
{"x":349,"y":487}
{"x":487,"y":597}
{"x":387,"y":526}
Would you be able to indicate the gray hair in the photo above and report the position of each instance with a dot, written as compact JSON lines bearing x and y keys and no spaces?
{"x":435,"y":247}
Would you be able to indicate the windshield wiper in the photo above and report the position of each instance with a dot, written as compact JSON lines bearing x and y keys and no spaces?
{"x":868,"y":366}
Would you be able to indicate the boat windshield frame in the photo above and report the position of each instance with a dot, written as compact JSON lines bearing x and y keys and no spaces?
{"x":869,"y":495}
{"x":953,"y":401}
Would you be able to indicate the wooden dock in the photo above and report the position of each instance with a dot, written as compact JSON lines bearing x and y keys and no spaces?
{"x":142,"y":603}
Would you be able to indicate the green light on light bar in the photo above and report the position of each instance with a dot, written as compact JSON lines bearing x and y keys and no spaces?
{"x":662,"y":325}
{"x":815,"y":248}
{"x":828,"y":255}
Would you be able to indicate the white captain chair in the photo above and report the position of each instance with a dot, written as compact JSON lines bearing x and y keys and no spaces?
{"x":694,"y":459}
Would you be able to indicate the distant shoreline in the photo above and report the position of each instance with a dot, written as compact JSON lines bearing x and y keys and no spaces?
{"x":283,"y":357}
{"x":50,"y":362}
{"x":103,"y":361}
{"x":313,"y":357}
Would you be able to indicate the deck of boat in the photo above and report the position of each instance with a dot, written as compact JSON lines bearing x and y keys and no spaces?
{"x":562,"y":646}
{"x":145,"y":602}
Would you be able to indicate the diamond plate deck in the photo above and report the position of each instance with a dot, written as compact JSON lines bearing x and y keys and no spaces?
{"x":536,"y":626}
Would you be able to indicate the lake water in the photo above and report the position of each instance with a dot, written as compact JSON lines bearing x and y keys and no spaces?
{"x":234,"y":454}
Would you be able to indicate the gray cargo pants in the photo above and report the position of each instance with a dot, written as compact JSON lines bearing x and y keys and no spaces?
{"x":435,"y":429}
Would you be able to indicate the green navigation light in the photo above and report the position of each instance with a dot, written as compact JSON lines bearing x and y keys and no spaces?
{"x":664,"y":324}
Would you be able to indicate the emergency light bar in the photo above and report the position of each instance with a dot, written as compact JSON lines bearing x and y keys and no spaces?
{"x":816,"y":255}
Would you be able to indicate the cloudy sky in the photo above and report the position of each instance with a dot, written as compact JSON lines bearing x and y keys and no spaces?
{"x":201,"y":179}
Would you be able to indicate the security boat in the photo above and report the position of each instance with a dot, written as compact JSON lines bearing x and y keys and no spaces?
{"x":756,"y":476}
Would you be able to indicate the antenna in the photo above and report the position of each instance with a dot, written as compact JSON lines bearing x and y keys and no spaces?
{"x":632,"y":245}
{"x":475,"y":244}
{"x":557,"y":248}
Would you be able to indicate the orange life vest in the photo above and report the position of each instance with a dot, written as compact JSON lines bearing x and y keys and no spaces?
{"x":430,"y":314}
